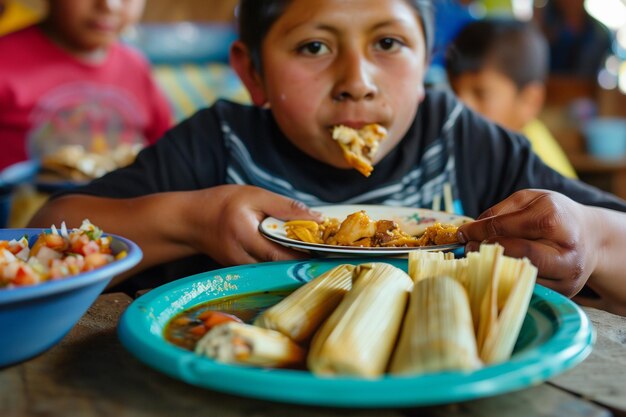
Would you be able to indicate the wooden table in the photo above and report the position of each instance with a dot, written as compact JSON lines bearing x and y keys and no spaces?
{"x":89,"y":373}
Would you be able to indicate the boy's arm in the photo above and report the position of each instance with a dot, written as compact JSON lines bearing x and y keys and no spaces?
{"x":151,"y":221}
{"x":609,"y":277}
{"x":221,"y":222}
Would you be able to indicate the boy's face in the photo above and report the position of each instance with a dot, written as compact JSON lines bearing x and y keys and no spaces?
{"x":88,"y":25}
{"x":350,"y":62}
{"x":492,"y":94}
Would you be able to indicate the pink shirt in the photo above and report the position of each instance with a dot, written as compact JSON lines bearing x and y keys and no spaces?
{"x":50,"y":98}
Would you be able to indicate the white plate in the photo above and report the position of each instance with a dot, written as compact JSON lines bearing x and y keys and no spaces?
{"x":411,"y":220}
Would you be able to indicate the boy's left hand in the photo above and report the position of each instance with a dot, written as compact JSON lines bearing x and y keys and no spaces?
{"x":548,"y":228}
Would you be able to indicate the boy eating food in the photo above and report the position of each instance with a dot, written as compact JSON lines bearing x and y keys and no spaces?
{"x":203,"y":189}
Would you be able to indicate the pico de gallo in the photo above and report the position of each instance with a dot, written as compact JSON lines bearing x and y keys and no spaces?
{"x":56,"y":254}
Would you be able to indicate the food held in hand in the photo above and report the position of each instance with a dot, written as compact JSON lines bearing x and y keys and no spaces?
{"x":360,"y":146}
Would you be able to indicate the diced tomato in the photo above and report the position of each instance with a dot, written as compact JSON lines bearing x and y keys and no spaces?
{"x":214,"y":318}
{"x":198,"y":330}
{"x":56,"y":242}
{"x":95,"y":260}
{"x":25,"y":276}
{"x":55,"y":256}
{"x":77,"y":242}
{"x":90,"y":248}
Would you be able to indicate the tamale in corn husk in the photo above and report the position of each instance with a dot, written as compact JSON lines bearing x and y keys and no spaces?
{"x":358,"y":337}
{"x":502,"y":286}
{"x":244,"y":344}
{"x":437,"y":333}
{"x":300,"y":314}
{"x":504,"y":331}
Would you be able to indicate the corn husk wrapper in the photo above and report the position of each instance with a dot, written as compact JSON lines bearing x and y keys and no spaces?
{"x":498,"y":300}
{"x":358,"y":337}
{"x":425,"y":264}
{"x":438,"y":333}
{"x":509,"y":273}
{"x":504,"y":331}
{"x":482,"y":287}
{"x":244,"y":344}
{"x":301,"y":313}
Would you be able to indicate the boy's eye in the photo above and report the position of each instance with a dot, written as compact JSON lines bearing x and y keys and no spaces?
{"x":388,"y":44}
{"x":314,"y":48}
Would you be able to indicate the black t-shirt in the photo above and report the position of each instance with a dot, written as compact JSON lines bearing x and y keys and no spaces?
{"x":235,"y":144}
{"x":447,"y":146}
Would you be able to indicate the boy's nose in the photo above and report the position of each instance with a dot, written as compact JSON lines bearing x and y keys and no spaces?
{"x":354,"y":81}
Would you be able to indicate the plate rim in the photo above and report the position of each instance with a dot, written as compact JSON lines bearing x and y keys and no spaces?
{"x":574,"y":329}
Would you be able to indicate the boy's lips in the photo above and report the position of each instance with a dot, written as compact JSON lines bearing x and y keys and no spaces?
{"x":352,"y":124}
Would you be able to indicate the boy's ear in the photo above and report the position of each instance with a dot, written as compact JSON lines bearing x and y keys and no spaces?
{"x":241,"y":62}
{"x":533,"y":96}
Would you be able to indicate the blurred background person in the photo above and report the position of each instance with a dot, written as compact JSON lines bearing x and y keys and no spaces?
{"x":578,"y":43}
{"x":498,"y":68}
{"x":70,"y":81}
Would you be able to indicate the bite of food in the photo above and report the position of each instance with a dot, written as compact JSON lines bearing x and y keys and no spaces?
{"x":360,"y":146}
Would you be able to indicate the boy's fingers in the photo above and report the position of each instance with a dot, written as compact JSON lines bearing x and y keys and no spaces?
{"x":532,"y":223}
{"x":516,"y":201}
{"x":288,"y":209}
{"x":498,"y":226}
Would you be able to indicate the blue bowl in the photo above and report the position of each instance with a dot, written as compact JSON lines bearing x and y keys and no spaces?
{"x":35,"y":318}
{"x":18,"y":173}
{"x":606,"y":137}
{"x":10,"y":177}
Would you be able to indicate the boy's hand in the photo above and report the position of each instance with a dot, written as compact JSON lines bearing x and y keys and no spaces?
{"x":227,"y":228}
{"x":551,"y":230}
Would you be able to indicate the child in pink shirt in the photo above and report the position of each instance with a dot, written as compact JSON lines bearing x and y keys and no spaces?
{"x":69,"y":81}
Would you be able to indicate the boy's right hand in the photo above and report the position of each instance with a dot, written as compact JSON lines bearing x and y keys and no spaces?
{"x":225,"y":221}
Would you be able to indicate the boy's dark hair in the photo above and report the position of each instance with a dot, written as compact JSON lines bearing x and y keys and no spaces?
{"x":256,"y":17}
{"x":517,"y":49}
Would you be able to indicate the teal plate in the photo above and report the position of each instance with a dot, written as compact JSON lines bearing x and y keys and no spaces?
{"x":556,"y":335}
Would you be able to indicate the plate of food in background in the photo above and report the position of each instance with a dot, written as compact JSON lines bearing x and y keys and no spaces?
{"x":69,"y":166}
{"x":360,"y":332}
{"x":368,"y":230}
